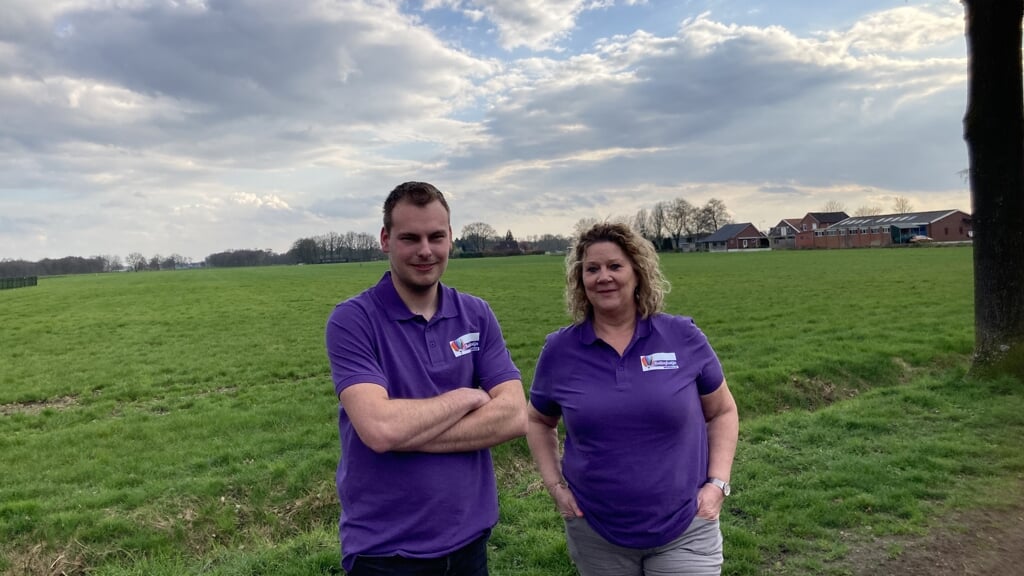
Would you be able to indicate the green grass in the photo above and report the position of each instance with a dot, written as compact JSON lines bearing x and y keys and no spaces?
{"x":184,"y":422}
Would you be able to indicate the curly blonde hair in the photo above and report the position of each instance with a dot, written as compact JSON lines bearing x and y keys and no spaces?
{"x":651,"y":285}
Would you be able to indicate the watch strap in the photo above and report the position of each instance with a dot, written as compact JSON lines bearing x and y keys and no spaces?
{"x":721,"y":484}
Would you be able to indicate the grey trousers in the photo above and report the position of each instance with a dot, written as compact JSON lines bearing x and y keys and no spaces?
{"x":697,"y":552}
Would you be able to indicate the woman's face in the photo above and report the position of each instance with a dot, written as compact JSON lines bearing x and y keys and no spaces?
{"x":609,"y":279}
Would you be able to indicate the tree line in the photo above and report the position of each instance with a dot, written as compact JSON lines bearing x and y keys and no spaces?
{"x":58,"y":266}
{"x":334,"y":247}
{"x":665,"y":224}
{"x":671,"y":223}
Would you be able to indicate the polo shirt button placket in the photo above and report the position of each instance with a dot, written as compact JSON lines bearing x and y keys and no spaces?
{"x":433,"y":349}
{"x":620,"y":375}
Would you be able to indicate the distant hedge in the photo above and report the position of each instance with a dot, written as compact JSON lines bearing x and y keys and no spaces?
{"x":21,"y":282}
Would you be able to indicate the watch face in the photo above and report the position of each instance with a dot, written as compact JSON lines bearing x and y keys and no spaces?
{"x":727,"y":489}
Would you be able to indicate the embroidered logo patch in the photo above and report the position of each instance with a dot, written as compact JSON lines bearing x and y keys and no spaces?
{"x":659,"y":361}
{"x":465,"y":344}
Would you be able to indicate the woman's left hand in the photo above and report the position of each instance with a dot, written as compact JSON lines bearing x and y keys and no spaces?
{"x":709,"y":501}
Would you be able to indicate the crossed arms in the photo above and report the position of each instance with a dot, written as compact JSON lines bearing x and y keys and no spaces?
{"x":459,"y":420}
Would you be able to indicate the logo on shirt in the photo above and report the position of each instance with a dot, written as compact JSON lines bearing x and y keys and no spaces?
{"x":465,"y":344}
{"x":659,"y":361}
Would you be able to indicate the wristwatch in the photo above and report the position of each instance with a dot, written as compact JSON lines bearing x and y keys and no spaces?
{"x":722,"y":484}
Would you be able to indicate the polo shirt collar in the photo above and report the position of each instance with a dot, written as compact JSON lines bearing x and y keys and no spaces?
{"x":588,"y":336}
{"x":395,"y":307}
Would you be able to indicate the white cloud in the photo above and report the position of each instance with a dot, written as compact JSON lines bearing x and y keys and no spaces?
{"x":270,"y":201}
{"x":904,"y":29}
{"x":196,"y":127}
{"x":538,"y":24}
{"x":534,"y":24}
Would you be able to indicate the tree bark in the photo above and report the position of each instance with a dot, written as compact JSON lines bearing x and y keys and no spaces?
{"x":994,"y":132}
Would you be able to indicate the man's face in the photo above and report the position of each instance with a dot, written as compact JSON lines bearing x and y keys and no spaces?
{"x":417,"y":245}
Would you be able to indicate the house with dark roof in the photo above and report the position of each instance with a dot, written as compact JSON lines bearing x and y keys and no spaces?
{"x":783,"y":234}
{"x":817,"y":220}
{"x":734,"y":237}
{"x":891,"y":230}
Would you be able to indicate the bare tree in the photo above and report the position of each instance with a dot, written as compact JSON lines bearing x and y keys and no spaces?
{"x":476,"y":235}
{"x":178,"y":261}
{"x":168,"y":263}
{"x":833,"y":206}
{"x":366,"y":247}
{"x":657,"y":224}
{"x":679,"y":219}
{"x":902,"y":205}
{"x":136,"y":261}
{"x":712,"y":216}
{"x":582,"y":225}
{"x":335,"y":245}
{"x":868,"y":210}
{"x":111,"y":263}
{"x":994,"y":132}
{"x":642,"y":223}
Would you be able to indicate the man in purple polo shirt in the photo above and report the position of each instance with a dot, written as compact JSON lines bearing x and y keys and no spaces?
{"x":426,"y":387}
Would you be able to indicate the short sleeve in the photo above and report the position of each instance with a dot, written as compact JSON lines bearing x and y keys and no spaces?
{"x":351,"y":348}
{"x":711,"y":374}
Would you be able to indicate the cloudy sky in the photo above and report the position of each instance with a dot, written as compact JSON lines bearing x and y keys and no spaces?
{"x":196,"y":126}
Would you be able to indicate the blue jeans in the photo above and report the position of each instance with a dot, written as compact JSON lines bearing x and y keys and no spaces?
{"x":470,"y":560}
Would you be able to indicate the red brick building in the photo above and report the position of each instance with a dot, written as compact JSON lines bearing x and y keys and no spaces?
{"x":733,"y":237}
{"x":890,"y":230}
{"x":783,"y":234}
{"x":819,"y":220}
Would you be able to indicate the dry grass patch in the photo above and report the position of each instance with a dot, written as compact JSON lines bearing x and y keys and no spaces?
{"x":42,"y":560}
{"x":32,"y":408}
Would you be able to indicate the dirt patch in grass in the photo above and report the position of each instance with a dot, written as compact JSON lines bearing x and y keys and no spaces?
{"x":317,"y":504}
{"x":37,"y":407}
{"x":814,"y":393}
{"x":40,"y":561}
{"x":971,"y":543}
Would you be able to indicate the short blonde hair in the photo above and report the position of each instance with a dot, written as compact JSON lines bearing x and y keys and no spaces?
{"x":651,"y":285}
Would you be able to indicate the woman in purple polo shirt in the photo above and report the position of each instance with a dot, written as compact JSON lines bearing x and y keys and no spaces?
{"x":650,"y":424}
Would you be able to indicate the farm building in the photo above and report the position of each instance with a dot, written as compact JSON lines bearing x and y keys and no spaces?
{"x":734,"y":237}
{"x":818,"y":220}
{"x":689,"y":243}
{"x":783,"y":234}
{"x":890,"y":230}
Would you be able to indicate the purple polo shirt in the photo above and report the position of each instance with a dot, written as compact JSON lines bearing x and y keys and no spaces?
{"x":636,"y":446}
{"x":413,"y":504}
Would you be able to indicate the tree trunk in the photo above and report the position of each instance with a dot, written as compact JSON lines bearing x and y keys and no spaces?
{"x":994,"y":131}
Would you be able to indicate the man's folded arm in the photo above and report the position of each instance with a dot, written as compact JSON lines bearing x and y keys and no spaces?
{"x":385,"y":424}
{"x":500,"y":420}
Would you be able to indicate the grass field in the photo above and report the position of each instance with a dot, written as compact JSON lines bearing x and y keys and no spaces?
{"x":184,"y":422}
